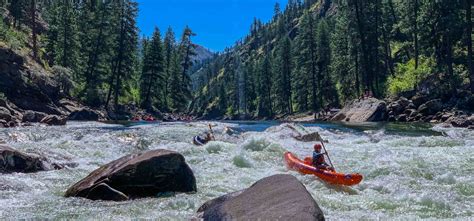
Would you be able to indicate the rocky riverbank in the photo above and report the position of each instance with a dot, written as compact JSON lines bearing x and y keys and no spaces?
{"x":456,"y":111}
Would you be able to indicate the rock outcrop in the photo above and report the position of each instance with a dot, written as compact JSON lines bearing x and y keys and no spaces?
{"x":140,"y":175}
{"x":420,"y":108}
{"x":369,"y":109}
{"x":29,"y":92}
{"x":279,"y":197}
{"x":54,"y":120}
{"x":84,"y":114}
{"x":431,"y":107}
{"x":14,"y":161}
{"x":33,"y":116}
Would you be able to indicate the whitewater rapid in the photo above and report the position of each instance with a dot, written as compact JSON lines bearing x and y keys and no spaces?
{"x":407,"y":175}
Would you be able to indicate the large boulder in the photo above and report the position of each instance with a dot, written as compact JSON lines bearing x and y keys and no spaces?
{"x":69,"y":105}
{"x":279,"y":197}
{"x":431,"y":107}
{"x":370,"y":109}
{"x":54,"y":120}
{"x":84,"y":114}
{"x":419,"y":99}
{"x":399,"y":106}
{"x":461,"y":121}
{"x":12,"y":161}
{"x":33,"y":116}
{"x":139,"y":175}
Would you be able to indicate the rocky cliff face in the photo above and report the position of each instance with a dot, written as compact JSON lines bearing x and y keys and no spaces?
{"x":29,"y":92}
{"x":202,"y":54}
{"x":26,"y":84}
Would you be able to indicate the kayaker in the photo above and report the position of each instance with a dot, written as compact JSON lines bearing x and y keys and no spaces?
{"x":227,"y":130}
{"x":318,"y":159}
{"x":198,"y":140}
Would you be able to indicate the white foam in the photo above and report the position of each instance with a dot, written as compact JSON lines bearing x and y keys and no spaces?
{"x":405,"y":177}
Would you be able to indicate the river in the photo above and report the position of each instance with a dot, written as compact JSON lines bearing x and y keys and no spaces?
{"x":410,"y":171}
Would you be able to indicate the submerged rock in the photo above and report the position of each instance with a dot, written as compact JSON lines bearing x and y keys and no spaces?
{"x":139,"y":175}
{"x":370,"y":109}
{"x":279,"y":197}
{"x":14,"y":161}
{"x":311,"y":137}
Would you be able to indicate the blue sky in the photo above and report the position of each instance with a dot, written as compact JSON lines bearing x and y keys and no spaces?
{"x":217,"y":23}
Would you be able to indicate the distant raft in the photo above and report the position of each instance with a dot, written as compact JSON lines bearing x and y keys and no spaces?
{"x":328,"y":176}
{"x":199,"y":141}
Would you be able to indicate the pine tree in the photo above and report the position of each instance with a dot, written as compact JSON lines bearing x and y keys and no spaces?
{"x":283,"y":76}
{"x":126,"y":38}
{"x":344,"y":59}
{"x":307,"y":60}
{"x":17,"y":10}
{"x":169,"y":48}
{"x":443,"y":20}
{"x":264,"y":108}
{"x":33,"y":15}
{"x":470,"y":65}
{"x":186,"y":52}
{"x":52,"y":36}
{"x":250,"y":87}
{"x":67,"y":45}
{"x":96,"y":34}
{"x":177,"y":101}
{"x":326,"y":92}
{"x":152,"y":73}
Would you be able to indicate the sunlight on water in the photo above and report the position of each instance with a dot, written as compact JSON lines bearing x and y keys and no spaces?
{"x":410,"y":172}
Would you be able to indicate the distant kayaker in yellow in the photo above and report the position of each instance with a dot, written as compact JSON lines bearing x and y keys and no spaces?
{"x":318,"y":159}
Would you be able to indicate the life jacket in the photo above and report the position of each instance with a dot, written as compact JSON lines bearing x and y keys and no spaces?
{"x":318,"y":158}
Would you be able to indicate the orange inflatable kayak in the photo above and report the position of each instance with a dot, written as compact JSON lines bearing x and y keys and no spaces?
{"x":329,"y":176}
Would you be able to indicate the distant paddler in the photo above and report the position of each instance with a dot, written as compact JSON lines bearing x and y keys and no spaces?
{"x":202,"y":140}
{"x":230,"y":131}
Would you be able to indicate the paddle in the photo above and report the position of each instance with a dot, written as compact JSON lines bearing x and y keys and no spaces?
{"x":327,"y":154}
{"x":212,"y":132}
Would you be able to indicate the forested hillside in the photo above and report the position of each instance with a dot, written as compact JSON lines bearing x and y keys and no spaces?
{"x":104,"y":61}
{"x":312,"y":55}
{"x":320,"y":53}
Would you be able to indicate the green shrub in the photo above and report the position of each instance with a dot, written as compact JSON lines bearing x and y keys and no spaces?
{"x":407,"y":77}
{"x":64,"y":78}
{"x":13,"y":39}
